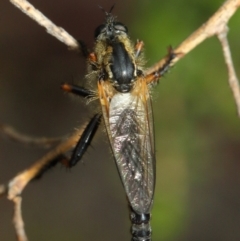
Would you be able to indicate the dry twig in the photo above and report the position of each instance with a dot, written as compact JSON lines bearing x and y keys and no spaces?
{"x":232,"y":77}
{"x":51,"y":28}
{"x":11,"y":133}
{"x":19,"y":182}
{"x":18,"y":220}
{"x":216,"y":25}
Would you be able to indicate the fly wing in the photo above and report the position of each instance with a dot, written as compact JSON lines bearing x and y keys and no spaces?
{"x":130,"y":129}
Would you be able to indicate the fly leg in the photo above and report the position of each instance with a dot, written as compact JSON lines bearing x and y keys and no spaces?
{"x":85,"y":140}
{"x":77,"y":90}
{"x":84,"y":49}
{"x":89,"y":56}
{"x":154,"y":76}
{"x":93,"y":124}
{"x":90,"y":129}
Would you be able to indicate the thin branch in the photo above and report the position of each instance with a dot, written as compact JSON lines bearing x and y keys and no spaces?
{"x":51,"y":28}
{"x":18,"y":183}
{"x":232,"y":77}
{"x":18,"y":220}
{"x":15,"y":186}
{"x":13,"y":134}
{"x":216,"y":24}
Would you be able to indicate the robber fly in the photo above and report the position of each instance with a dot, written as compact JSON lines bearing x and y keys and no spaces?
{"x":115,"y":66}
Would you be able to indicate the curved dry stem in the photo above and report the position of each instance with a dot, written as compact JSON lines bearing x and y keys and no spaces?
{"x":18,"y":220}
{"x":51,"y":28}
{"x":232,"y":77}
{"x":215,"y":25}
{"x":13,"y":134}
{"x":18,"y":183}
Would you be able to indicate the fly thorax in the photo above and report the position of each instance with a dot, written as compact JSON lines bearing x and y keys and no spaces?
{"x":122,"y":68}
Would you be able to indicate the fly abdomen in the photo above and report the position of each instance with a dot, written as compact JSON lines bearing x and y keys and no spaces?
{"x":141,"y":229}
{"x":122,"y":67}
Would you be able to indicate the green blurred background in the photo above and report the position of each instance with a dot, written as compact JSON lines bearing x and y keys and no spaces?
{"x":197,"y":129}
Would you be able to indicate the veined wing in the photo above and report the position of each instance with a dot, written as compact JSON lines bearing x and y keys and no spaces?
{"x":128,"y":119}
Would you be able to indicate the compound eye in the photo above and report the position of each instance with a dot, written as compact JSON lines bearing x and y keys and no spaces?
{"x":100,"y":29}
{"x":119,"y":27}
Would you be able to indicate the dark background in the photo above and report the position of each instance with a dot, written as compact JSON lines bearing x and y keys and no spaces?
{"x":197,"y":128}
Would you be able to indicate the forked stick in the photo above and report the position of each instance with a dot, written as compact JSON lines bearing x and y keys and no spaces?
{"x":18,"y":183}
{"x":14,"y":188}
{"x":232,"y":77}
{"x":216,"y":25}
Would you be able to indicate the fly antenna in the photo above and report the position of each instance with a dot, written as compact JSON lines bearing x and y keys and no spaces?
{"x":107,"y":13}
{"x":110,"y":11}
